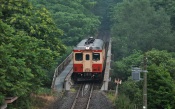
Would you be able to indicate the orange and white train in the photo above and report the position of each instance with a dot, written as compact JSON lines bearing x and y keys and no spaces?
{"x":89,"y":60}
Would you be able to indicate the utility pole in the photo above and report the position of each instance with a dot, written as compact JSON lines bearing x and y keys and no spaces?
{"x":145,"y":83}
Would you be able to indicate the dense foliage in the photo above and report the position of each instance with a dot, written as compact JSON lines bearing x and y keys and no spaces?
{"x":136,"y":25}
{"x":168,"y":6}
{"x":29,"y":46}
{"x":31,"y":34}
{"x":161,"y":91}
{"x":73,"y":17}
{"x":139,"y":26}
{"x":30,"y":41}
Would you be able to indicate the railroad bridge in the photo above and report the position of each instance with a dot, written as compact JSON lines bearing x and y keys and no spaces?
{"x":62,"y":76}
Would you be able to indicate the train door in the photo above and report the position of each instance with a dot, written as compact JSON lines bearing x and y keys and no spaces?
{"x":87,"y":64}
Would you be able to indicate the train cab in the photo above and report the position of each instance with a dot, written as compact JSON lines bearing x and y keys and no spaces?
{"x":88,"y":59}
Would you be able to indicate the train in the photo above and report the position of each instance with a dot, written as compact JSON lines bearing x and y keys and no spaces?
{"x":89,"y":58}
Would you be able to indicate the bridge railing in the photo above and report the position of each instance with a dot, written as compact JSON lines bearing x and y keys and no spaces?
{"x":60,"y":68}
{"x":107,"y":69}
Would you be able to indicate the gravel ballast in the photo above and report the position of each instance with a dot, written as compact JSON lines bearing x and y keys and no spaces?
{"x":98,"y":101}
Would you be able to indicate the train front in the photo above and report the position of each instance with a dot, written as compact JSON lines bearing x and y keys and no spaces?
{"x":88,"y":60}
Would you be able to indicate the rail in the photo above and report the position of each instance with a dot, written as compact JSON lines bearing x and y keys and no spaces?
{"x":75,"y":100}
{"x":89,"y":99}
{"x":83,"y":100}
{"x":60,"y":68}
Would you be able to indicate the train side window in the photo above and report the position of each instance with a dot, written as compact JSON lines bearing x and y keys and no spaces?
{"x":79,"y":56}
{"x":87,"y":57}
{"x":96,"y":56}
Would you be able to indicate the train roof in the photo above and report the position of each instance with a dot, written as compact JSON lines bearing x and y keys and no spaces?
{"x":93,"y":44}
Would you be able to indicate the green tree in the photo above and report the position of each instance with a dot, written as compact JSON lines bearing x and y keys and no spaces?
{"x":160,"y":88}
{"x":132,"y":90}
{"x":123,"y":102}
{"x":15,"y":75}
{"x":122,"y":68}
{"x":168,"y":5}
{"x":73,"y":17}
{"x":136,"y":25}
{"x":161,"y":92}
{"x":29,"y":48}
{"x":35,"y":22}
{"x":162,"y":58}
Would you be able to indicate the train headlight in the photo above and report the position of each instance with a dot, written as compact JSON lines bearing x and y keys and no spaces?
{"x":87,"y":48}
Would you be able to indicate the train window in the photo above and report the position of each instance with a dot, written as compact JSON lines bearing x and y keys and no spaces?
{"x":87,"y":57}
{"x":79,"y":56}
{"x":96,"y":56}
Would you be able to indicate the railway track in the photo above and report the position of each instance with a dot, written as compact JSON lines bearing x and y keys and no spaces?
{"x":83,"y":97}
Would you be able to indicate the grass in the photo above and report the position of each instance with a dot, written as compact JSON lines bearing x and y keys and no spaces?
{"x":44,"y":98}
{"x":111,"y":95}
{"x":72,"y":90}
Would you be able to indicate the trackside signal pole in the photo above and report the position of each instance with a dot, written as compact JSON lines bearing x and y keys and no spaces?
{"x":145,"y":83}
{"x":116,"y":91}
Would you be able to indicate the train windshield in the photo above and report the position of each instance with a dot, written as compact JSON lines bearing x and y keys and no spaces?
{"x":79,"y":56}
{"x":96,"y":56}
{"x":87,"y":57}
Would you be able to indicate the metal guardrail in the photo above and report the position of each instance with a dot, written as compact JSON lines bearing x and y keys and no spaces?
{"x":60,"y":68}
